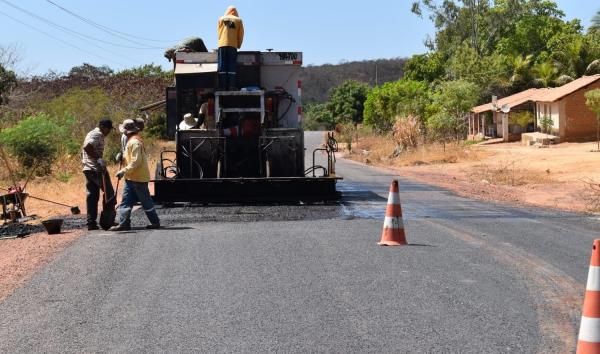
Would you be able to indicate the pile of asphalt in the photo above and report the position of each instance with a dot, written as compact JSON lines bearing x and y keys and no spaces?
{"x":24,"y":229}
{"x":186,"y":214}
{"x":19,"y":230}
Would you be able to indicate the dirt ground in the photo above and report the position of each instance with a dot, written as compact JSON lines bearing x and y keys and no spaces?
{"x":20,"y":258}
{"x":562,"y":176}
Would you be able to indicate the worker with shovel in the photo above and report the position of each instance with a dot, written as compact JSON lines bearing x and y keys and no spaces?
{"x":96,"y":175}
{"x":137,"y":176}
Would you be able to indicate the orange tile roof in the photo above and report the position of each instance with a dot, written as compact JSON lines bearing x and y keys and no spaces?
{"x":557,"y":93}
{"x":512,"y":100}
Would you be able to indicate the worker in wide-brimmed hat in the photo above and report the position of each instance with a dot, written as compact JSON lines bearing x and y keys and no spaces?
{"x":141,"y":123}
{"x":230,"y":31}
{"x":137,"y":176}
{"x":188,"y":122}
{"x":94,"y":169}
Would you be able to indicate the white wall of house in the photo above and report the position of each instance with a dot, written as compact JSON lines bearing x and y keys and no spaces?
{"x":551,"y":109}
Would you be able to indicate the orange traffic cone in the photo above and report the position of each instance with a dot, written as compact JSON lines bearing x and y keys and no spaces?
{"x":393,"y":226}
{"x":589,"y":332}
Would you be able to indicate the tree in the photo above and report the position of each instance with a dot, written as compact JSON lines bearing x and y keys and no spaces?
{"x":546,"y":73}
{"x":453,"y":101}
{"x":401,"y":98}
{"x":145,"y":71}
{"x":592,"y":100}
{"x":90,"y":72}
{"x":317,"y":117}
{"x":425,"y":67}
{"x":595,"y":27}
{"x":521,"y":68}
{"x":8,"y":80}
{"x":346,"y":101}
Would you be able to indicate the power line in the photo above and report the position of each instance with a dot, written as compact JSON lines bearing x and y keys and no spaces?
{"x":60,"y":40}
{"x":72,"y":32}
{"x":106,"y":29}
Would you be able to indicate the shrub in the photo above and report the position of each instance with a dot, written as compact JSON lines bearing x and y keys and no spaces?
{"x":546,"y":123}
{"x":407,"y":133}
{"x":521,"y":119}
{"x":79,"y":109}
{"x":347,"y":131}
{"x":157,"y":127}
{"x":36,"y":140}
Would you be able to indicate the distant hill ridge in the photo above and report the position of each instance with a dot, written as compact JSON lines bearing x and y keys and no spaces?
{"x":318,"y":80}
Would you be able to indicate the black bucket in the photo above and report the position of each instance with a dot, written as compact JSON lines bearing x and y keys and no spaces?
{"x":52,"y":226}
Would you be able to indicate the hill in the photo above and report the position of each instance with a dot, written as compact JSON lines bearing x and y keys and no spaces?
{"x":318,"y":80}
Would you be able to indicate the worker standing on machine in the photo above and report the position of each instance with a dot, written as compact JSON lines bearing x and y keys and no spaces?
{"x":137,"y":176}
{"x":230,"y":31}
{"x":94,"y":169}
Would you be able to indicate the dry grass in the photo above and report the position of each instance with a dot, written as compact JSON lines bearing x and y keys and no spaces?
{"x":508,"y":173}
{"x":374,"y":149}
{"x":591,"y":195}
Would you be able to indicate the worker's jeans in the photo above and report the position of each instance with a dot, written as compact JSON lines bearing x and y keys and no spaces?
{"x":227,"y":64}
{"x":93,"y":186}
{"x":134,"y":192}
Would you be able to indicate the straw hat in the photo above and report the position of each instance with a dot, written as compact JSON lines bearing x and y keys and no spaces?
{"x":129,"y":126}
{"x":188,"y":122}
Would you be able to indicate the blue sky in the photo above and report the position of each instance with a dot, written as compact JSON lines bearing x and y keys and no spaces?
{"x":326,"y":31}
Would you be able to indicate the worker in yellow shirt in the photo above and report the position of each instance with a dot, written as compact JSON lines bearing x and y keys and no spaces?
{"x":230,"y":31}
{"x":136,"y":176}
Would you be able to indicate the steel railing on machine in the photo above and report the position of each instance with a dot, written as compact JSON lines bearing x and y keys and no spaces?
{"x":331,"y":147}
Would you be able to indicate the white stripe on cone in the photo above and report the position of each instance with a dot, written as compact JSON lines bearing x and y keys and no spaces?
{"x":593,"y":281}
{"x":393,"y":222}
{"x":590,"y":329}
{"x":394,"y":198}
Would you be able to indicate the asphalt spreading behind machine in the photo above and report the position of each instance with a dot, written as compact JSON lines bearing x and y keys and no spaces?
{"x":248,"y":145}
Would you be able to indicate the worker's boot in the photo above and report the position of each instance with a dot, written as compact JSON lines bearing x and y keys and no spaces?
{"x":120,"y":228}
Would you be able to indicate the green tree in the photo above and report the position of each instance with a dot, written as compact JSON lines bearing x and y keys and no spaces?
{"x":592,"y":100}
{"x":546,"y":73}
{"x":428,"y":67}
{"x":595,"y":27}
{"x":521,"y":66}
{"x":317,"y":116}
{"x":403,"y":97}
{"x":90,"y":72}
{"x":346,"y":101}
{"x":146,"y":71}
{"x":453,"y":101}
{"x":8,"y":80}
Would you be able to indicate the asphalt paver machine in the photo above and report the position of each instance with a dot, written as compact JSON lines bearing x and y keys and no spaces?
{"x":248,"y":145}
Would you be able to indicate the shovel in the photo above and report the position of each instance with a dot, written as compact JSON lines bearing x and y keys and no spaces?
{"x":108,"y":214}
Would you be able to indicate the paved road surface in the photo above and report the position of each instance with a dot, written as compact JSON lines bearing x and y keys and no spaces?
{"x":478,"y":278}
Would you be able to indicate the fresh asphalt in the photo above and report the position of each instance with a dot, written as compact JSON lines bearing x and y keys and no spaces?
{"x":477,"y":278}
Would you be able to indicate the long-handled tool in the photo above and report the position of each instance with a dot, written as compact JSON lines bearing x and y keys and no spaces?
{"x":74,"y":209}
{"x":107,"y":215}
